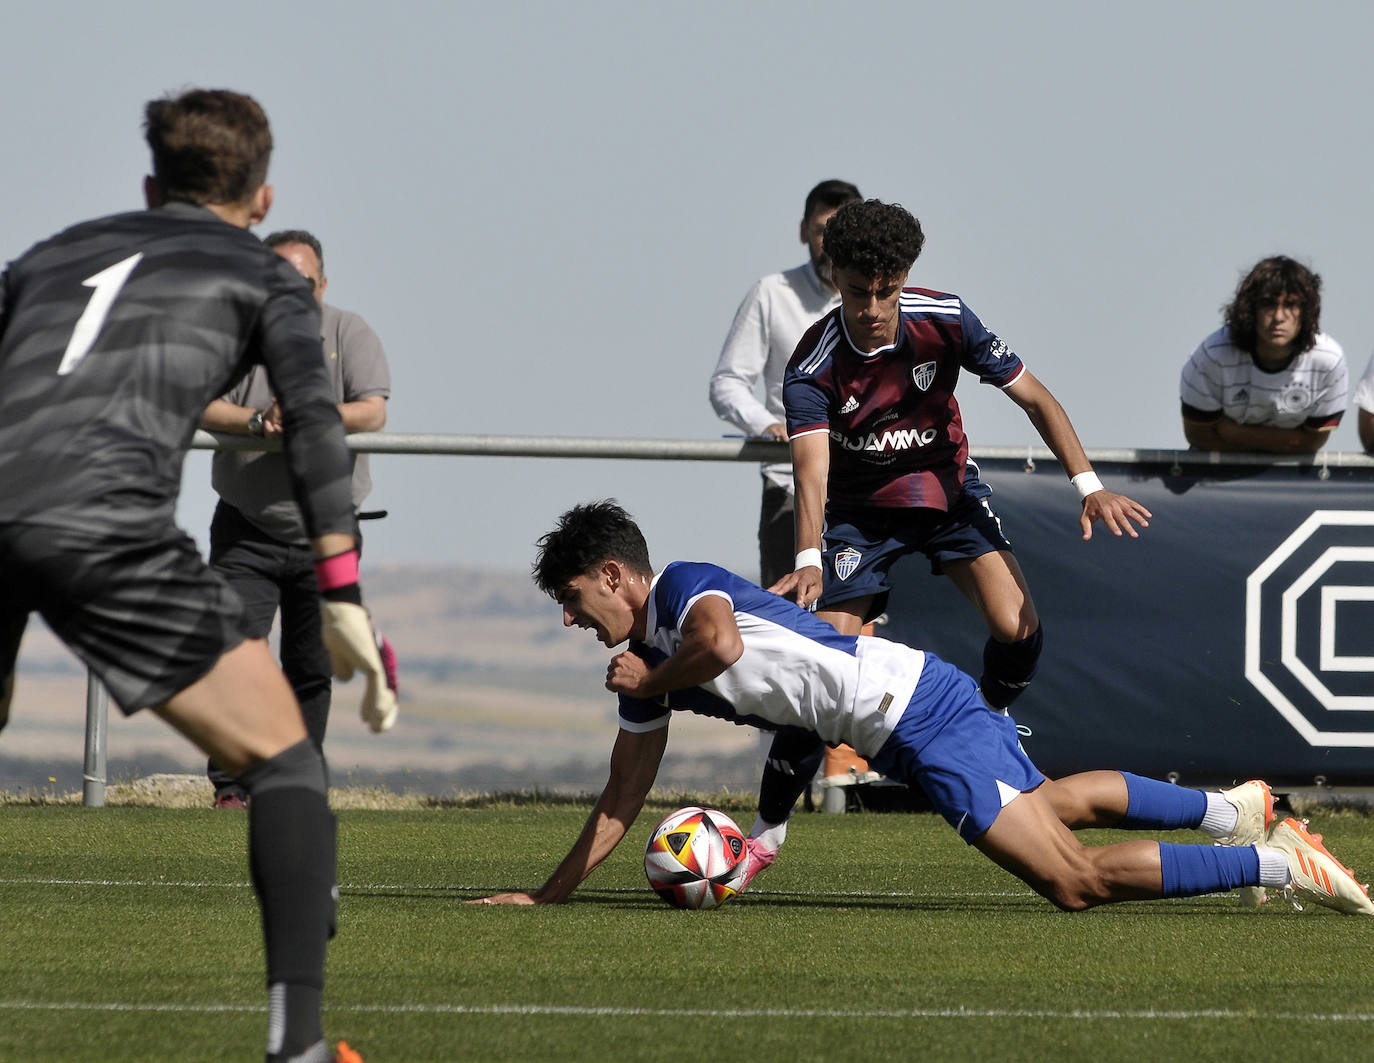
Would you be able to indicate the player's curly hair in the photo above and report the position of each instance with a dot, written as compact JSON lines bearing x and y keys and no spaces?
{"x":208,"y":145}
{"x":873,"y":238}
{"x":586,"y":536}
{"x":1263,"y":285}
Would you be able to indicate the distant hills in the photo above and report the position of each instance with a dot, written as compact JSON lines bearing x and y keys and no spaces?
{"x":496,"y":695}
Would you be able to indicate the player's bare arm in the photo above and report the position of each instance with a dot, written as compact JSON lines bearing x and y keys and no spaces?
{"x":810,"y":471}
{"x":1366,"y":426}
{"x":634,"y":766}
{"x":711,"y":643}
{"x":1116,"y":511}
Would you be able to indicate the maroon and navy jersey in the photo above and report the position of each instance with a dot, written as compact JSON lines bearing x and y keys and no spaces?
{"x":115,"y":334}
{"x":896,"y":437}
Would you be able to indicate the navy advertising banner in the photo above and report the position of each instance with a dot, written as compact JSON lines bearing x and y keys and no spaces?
{"x":1233,"y":640}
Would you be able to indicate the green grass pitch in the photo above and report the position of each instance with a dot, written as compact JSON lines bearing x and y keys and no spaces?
{"x":132,"y":934}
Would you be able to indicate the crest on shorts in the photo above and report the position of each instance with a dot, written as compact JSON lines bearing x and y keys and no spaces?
{"x":924,"y":375}
{"x":846,"y":561}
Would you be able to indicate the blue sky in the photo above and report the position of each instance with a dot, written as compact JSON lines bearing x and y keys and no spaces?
{"x":549,"y":213}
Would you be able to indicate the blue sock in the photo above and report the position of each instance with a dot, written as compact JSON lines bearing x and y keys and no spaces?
{"x":1155,"y":805}
{"x":1188,"y":870}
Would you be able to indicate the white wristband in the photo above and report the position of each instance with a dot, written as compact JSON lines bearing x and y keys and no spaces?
{"x":1086,"y":483}
{"x":810,"y":558}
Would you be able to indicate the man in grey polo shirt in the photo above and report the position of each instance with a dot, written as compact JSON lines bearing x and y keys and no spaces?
{"x":258,"y":541}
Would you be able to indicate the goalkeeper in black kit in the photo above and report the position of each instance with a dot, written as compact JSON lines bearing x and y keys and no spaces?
{"x":114,"y":335}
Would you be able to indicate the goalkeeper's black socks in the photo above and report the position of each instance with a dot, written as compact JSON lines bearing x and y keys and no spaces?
{"x":291,"y":854}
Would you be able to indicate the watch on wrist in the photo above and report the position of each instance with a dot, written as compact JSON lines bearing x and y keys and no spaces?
{"x":255,"y":424}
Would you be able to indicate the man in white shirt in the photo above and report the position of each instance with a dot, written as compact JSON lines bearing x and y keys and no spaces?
{"x":1269,"y":380}
{"x":772,"y":318}
{"x":746,"y":390}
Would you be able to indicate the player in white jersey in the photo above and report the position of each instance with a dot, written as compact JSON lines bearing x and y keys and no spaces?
{"x":706,"y":641}
{"x":1269,"y":380}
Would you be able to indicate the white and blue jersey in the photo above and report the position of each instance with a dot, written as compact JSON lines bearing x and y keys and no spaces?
{"x":798,"y":671}
{"x":795,"y":671}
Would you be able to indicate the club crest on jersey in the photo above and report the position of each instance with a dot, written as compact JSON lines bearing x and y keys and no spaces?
{"x":1295,"y":398}
{"x":924,"y":375}
{"x":846,"y":561}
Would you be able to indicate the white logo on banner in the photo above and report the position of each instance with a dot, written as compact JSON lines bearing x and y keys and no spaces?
{"x":1292,"y":588}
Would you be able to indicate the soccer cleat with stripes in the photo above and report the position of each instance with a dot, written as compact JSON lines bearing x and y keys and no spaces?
{"x":1254,"y":805}
{"x":1317,"y":876}
{"x":319,"y":1053}
{"x":759,"y":857}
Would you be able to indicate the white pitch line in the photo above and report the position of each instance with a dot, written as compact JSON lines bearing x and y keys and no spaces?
{"x":569,"y":1011}
{"x":467,"y":887}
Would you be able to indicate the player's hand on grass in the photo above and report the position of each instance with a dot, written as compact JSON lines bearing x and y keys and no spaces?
{"x":507,"y":898}
{"x":1115,"y":511}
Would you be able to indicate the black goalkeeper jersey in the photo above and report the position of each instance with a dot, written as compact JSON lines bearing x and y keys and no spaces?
{"x":115,"y":335}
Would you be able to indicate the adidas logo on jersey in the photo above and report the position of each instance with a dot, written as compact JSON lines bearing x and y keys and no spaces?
{"x":850,"y":405}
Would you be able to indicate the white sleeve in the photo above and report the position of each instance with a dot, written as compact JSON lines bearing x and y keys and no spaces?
{"x":1196,"y":388}
{"x":1330,"y":401}
{"x":1364,"y":390}
{"x":738,"y":371}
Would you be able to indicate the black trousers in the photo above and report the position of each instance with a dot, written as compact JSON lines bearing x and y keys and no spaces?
{"x":777,"y":534}
{"x":270,"y":575}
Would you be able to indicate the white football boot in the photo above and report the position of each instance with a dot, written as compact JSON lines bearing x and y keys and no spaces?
{"x":1254,"y":805}
{"x":1317,"y":875}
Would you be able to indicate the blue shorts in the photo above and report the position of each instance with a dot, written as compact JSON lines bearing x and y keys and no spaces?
{"x":962,"y":754}
{"x":862,"y":545}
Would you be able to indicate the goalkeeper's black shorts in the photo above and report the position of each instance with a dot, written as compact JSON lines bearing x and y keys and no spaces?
{"x":143,"y":612}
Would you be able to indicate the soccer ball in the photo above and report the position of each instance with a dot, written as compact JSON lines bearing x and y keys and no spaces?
{"x":696,"y":858}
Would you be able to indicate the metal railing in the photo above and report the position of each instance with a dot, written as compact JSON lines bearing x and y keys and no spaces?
{"x":745,"y":450}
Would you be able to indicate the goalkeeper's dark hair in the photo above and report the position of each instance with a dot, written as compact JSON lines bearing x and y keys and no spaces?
{"x":586,"y":536}
{"x":208,"y":145}
{"x":873,"y":238}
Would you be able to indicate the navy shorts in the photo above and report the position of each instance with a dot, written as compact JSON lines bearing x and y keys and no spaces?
{"x":143,"y":612}
{"x":861,"y":546}
{"x":966,"y":757}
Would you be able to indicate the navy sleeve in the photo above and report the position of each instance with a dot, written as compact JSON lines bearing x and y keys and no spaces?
{"x":986,"y":354}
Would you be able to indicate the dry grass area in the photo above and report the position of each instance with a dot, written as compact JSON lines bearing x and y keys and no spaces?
{"x":168,"y":790}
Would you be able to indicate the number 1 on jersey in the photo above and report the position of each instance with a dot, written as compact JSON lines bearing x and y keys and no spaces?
{"x":107,"y":284}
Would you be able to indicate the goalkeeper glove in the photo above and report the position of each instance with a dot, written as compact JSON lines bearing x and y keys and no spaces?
{"x":349,"y":638}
